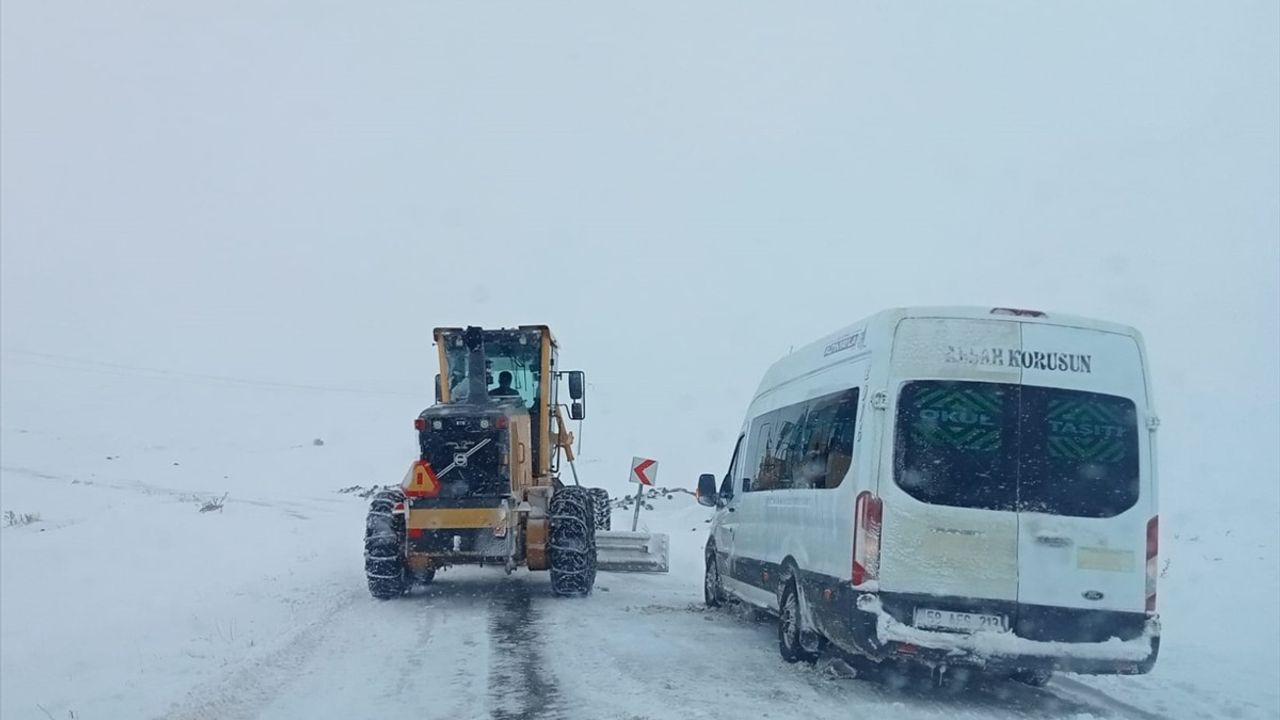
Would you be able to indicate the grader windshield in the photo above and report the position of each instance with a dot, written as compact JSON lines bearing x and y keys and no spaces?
{"x":512,"y":366}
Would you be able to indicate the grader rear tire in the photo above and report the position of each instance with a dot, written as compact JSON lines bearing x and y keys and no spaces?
{"x":384,"y":565}
{"x":572,"y":541}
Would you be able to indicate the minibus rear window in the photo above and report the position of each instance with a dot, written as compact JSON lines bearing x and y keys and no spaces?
{"x":957,"y":444}
{"x":999,"y":446}
{"x":1079,"y":453}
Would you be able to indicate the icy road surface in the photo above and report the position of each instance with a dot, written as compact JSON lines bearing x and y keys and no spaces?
{"x":122,"y":601}
{"x":477,"y":644}
{"x":272,"y":620}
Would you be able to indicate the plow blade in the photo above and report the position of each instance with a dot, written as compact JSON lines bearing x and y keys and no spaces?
{"x":631,"y":551}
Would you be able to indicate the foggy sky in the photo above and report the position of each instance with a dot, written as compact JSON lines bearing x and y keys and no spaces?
{"x":298,"y":192}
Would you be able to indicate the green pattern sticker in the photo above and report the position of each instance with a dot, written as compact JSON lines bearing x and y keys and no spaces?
{"x":957,"y":417}
{"x":1080,"y":430}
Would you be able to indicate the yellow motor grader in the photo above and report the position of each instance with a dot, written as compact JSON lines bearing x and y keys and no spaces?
{"x":486,"y":488}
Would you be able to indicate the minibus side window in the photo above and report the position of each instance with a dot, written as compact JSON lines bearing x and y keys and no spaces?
{"x":757,"y":465}
{"x":808,"y":464}
{"x":824,"y":449}
{"x":840,"y":446}
{"x":726,"y":487}
{"x":788,"y":446}
{"x":807,"y":445}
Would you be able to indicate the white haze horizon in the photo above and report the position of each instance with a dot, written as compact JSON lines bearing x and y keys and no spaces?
{"x":298,"y":196}
{"x":227,"y":225}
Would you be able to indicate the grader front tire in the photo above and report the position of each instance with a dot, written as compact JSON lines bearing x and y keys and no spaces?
{"x":572,"y":541}
{"x":603,"y":510}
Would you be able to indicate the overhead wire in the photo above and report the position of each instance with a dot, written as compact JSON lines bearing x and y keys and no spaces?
{"x":126,"y":370}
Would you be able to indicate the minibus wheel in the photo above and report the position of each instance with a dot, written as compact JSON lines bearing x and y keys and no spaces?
{"x":789,"y":627}
{"x":712,"y":589}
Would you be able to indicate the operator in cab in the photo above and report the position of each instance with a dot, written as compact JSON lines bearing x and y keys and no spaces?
{"x":504,"y":388}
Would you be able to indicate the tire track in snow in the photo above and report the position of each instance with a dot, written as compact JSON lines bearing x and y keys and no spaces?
{"x":410,"y":673}
{"x":241,"y":694}
{"x":420,"y":656}
{"x":441,"y":666}
{"x":520,"y":687}
{"x":1076,"y":691}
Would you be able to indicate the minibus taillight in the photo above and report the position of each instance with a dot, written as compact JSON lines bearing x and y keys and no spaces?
{"x":868,"y":511}
{"x":1153,"y":560}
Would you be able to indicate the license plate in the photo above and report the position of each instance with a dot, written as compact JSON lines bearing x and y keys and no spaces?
{"x":931,"y":619}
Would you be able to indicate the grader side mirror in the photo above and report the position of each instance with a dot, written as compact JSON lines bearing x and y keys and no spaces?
{"x":439,"y":394}
{"x":577,"y":381}
{"x":577,"y":411}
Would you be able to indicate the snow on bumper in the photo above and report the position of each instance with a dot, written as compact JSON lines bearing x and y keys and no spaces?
{"x":1005,"y":648}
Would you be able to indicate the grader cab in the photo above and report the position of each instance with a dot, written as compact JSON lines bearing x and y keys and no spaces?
{"x":487,"y":488}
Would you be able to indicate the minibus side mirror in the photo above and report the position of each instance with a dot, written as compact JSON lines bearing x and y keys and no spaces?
{"x":707,"y":490}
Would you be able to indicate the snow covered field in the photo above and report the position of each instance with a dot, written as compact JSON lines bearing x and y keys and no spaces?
{"x":125,"y":601}
{"x":226,"y":229}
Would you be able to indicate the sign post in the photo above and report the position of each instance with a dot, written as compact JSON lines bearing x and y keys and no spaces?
{"x":643,"y":472}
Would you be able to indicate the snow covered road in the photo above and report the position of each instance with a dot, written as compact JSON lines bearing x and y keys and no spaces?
{"x":287,"y":630}
{"x":478,"y":644}
{"x":123,"y":600}
{"x":308,"y":641}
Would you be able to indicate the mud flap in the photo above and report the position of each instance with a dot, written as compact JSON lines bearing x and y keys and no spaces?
{"x":618,"y":551}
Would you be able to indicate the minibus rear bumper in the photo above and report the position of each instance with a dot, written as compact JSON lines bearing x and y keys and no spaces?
{"x":886,"y":636}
